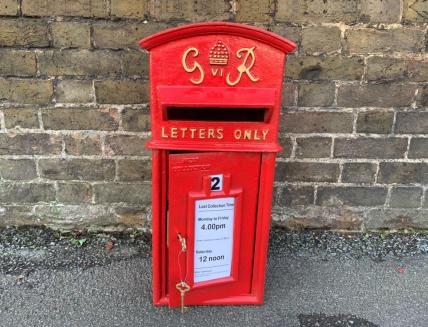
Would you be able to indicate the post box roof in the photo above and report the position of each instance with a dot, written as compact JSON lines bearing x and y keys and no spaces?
{"x":191,"y":30}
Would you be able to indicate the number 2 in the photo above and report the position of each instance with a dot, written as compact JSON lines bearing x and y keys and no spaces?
{"x":216,"y":182}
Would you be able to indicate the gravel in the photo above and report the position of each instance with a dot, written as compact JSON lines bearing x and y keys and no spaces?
{"x":326,"y":244}
{"x":27,"y":248}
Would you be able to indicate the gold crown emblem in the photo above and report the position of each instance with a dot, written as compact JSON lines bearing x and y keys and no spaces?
{"x":219,"y":55}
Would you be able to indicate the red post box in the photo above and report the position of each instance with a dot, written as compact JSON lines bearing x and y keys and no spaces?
{"x":215,"y":105}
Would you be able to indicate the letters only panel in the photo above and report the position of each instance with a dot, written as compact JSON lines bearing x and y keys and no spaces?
{"x":212,"y":200}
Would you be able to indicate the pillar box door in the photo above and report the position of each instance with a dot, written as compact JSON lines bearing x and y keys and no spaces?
{"x":213,"y":201}
{"x":215,"y":106}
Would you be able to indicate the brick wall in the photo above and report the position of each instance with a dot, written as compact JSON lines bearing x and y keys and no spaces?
{"x":74,"y":110}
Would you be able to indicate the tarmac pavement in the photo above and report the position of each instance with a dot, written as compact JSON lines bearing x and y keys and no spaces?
{"x":312,"y":280}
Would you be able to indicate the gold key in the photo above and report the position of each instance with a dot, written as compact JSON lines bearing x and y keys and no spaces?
{"x":182,"y":287}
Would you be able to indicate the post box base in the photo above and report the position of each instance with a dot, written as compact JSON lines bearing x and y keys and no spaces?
{"x":234,"y":300}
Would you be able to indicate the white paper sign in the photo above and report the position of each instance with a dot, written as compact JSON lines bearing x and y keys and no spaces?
{"x":213,"y":238}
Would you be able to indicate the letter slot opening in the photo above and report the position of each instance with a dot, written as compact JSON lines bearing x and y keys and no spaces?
{"x":217,"y":114}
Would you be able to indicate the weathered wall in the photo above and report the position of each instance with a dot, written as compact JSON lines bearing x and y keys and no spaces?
{"x":74,"y":109}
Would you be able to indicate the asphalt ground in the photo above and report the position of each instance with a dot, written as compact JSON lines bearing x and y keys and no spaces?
{"x":313,"y":279}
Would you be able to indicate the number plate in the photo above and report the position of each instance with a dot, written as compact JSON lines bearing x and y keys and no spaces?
{"x":213,"y":238}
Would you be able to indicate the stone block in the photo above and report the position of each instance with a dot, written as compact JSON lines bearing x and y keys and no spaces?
{"x":422,"y":99}
{"x":318,"y":122}
{"x":418,"y":148}
{"x":84,"y":8}
{"x":321,"y":39}
{"x":128,"y":145}
{"x":396,"y":219}
{"x":316,"y":217}
{"x":26,"y":193}
{"x":370,"y":148}
{"x":293,"y":33}
{"x":291,"y":196}
{"x":369,"y":40}
{"x":169,"y":10}
{"x":79,"y":63}
{"x":17,"y":215}
{"x":21,"y":118}
{"x":18,"y":169}
{"x":77,"y":169}
{"x":178,"y":10}
{"x":135,"y":63}
{"x":383,"y":68}
{"x":71,"y":35}
{"x":334,"y":67}
{"x":118,"y":35}
{"x":23,"y":33}
{"x":74,"y":91}
{"x":134,"y":170}
{"x":307,"y":172}
{"x":26,"y":91}
{"x":69,"y":216}
{"x":376,"y":95}
{"x":254,"y":10}
{"x":411,"y":123}
{"x":405,"y":197}
{"x":313,"y":147}
{"x":17,"y":63}
{"x":316,"y":95}
{"x":122,"y":193}
{"x":135,"y":120}
{"x":80,"y":119}
{"x":359,"y":172}
{"x":133,"y":216}
{"x":214,"y":10}
{"x":129,"y":8}
{"x":317,"y":11}
{"x":287,"y":147}
{"x":30,"y":144}
{"x":74,"y":193}
{"x":415,"y":11}
{"x":122,"y":91}
{"x":9,"y":8}
{"x":79,"y":144}
{"x":289,"y":94}
{"x":375,"y":11}
{"x":355,"y":196}
{"x":377,"y":122}
{"x":403,"y":173}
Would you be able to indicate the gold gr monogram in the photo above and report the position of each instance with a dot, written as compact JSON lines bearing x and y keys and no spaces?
{"x":243,"y":68}
{"x":248,"y":59}
{"x":196,"y":65}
